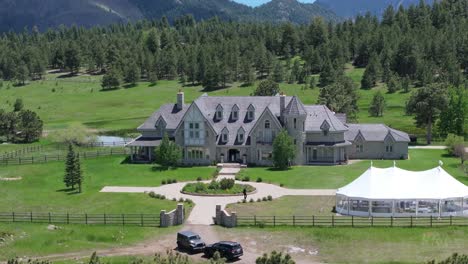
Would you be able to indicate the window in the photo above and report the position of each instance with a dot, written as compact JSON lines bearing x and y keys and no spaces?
{"x":295,"y":123}
{"x":388,"y":148}
{"x":195,"y":154}
{"x":194,"y":130}
{"x":267,"y":124}
{"x":325,"y":132}
{"x":240,"y":137}
{"x":235,"y":115}
{"x":219,"y":115}
{"x":295,"y":142}
{"x":225,"y":137}
{"x":359,"y":148}
{"x":250,"y":115}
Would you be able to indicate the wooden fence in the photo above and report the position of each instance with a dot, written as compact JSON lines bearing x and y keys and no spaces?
{"x":350,"y":221}
{"x":152,"y":220}
{"x":62,"y":157}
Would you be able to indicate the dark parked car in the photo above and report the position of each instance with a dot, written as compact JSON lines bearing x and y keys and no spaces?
{"x":187,"y":240}
{"x":227,"y":249}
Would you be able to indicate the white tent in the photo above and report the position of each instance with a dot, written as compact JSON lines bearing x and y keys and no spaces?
{"x":398,"y":192}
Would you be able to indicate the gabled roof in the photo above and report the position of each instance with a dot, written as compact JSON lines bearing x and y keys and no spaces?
{"x":171,"y":115}
{"x":317,"y":114}
{"x":374,"y":132}
{"x":295,"y":108}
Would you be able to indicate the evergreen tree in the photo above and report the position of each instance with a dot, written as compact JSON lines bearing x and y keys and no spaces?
{"x":328,"y":74}
{"x":394,"y":84}
{"x":94,"y":259}
{"x":168,"y":153}
{"x":247,"y":73}
{"x":77,"y":173}
{"x":426,"y":104}
{"x":453,"y":120}
{"x":132,"y":74}
{"x":69,"y":178}
{"x":340,"y":97}
{"x":312,"y":82}
{"x":267,"y":88}
{"x":72,"y":60}
{"x":371,"y":74}
{"x":111,"y":80}
{"x":377,"y":105}
{"x":278,"y":73}
{"x":284,"y":150}
{"x":22,"y":74}
{"x":18,"y":105}
{"x":275,"y":258}
{"x":29,"y":126}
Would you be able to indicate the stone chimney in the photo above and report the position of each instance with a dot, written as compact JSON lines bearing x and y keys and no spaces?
{"x":282,"y":104}
{"x":180,"y":100}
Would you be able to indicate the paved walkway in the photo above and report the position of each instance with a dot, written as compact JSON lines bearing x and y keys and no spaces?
{"x":205,"y":207}
{"x":427,"y":147}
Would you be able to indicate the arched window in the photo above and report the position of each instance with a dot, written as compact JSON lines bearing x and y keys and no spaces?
{"x":295,"y":123}
{"x":267,"y":124}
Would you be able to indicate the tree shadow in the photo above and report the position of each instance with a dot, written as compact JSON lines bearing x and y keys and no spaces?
{"x":130,"y":85}
{"x":277,"y":169}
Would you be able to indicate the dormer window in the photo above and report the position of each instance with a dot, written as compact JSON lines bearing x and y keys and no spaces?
{"x":235,"y":112}
{"x":325,"y":127}
{"x":219,"y":112}
{"x":240,"y":135}
{"x":267,"y":124}
{"x":224,"y":135}
{"x":251,"y":113}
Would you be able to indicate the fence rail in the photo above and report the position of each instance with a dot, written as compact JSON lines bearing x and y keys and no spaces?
{"x":152,"y":220}
{"x":62,"y":157}
{"x":350,"y":221}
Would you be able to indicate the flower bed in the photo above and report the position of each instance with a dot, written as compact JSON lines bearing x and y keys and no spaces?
{"x":223,"y":187}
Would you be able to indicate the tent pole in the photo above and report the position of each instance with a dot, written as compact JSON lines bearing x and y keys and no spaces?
{"x":417,"y":208}
{"x":440,"y":209}
{"x":349,"y":205}
{"x":393,"y":208}
{"x":370,"y":208}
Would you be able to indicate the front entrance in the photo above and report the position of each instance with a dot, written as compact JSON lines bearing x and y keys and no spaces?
{"x":234,"y":156}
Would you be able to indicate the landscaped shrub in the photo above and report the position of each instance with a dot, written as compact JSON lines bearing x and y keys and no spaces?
{"x":157,"y":196}
{"x":214,"y":185}
{"x":264,"y":199}
{"x":259,"y":200}
{"x":270,"y":198}
{"x":152,"y":194}
{"x":200,"y":187}
{"x":163,"y":182}
{"x":199,"y":178}
{"x":181,"y":200}
{"x":246,"y":178}
{"x":169,"y":181}
{"x":261,"y":224}
{"x":251,"y":200}
{"x":162,"y":197}
{"x":244,"y":200}
{"x":189,"y":201}
{"x":281,"y":185}
{"x":226,"y":184}
{"x":174,"y":199}
{"x":174,"y":181}
{"x":259,"y":179}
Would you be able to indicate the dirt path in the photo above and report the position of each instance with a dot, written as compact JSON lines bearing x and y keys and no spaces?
{"x":254,"y":246}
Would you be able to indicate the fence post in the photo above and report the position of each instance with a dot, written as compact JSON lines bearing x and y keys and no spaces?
{"x":32,"y":159}
{"x":274,"y":220}
{"x":313,"y":220}
{"x":19,"y":160}
{"x":411,"y":221}
{"x":431,"y":220}
{"x":450,"y":220}
{"x":49,"y":218}
{"x":255,"y":220}
{"x":352,"y":221}
{"x":105,"y":219}
{"x":13,"y":216}
{"x":294,"y":220}
{"x":123,"y":219}
{"x":86,"y":219}
{"x":391,"y":221}
{"x":68,"y":218}
{"x":141,"y":217}
{"x":372,"y":221}
{"x":31,"y":217}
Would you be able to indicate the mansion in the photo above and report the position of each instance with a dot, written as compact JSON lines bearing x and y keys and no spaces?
{"x":241,"y":129}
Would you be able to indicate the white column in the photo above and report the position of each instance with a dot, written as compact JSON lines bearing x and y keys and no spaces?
{"x":393,"y":207}
{"x":417,"y":207}
{"x":370,"y":207}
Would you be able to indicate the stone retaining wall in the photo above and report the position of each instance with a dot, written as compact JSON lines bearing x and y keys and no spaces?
{"x":174,"y":217}
{"x":223,"y":218}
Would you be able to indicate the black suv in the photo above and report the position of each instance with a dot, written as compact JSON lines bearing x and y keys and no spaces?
{"x":227,"y":249}
{"x":189,"y":241}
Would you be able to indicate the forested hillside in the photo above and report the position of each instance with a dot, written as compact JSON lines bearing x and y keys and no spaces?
{"x":16,"y":15}
{"x":407,"y":50}
{"x":352,"y":8}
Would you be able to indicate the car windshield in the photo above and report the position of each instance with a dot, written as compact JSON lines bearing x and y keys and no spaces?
{"x":194,"y":238}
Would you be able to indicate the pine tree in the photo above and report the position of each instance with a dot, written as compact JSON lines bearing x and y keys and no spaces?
{"x":68,"y":178}
{"x":328,"y":74}
{"x":394,"y":84}
{"x":132,"y":74}
{"x":377,"y":105}
{"x":371,"y":74}
{"x":278,"y":73}
{"x":18,"y":105}
{"x":72,"y":60}
{"x":111,"y":80}
{"x":284,"y":150}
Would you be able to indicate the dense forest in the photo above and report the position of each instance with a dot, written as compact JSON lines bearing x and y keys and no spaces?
{"x":413,"y":47}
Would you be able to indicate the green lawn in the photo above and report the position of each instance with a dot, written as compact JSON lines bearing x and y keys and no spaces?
{"x":65,"y":100}
{"x":40,"y":190}
{"x":365,"y":245}
{"x":338,"y":176}
{"x":36,"y":240}
{"x":287,"y":205}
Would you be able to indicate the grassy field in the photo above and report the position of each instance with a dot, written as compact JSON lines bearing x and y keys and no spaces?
{"x":36,"y":240}
{"x":41,"y":187}
{"x":358,"y":245}
{"x":287,"y":205}
{"x":338,"y":176}
{"x":79,"y":99}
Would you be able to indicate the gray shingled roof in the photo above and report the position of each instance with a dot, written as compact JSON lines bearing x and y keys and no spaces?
{"x":208,"y":104}
{"x":374,"y":132}
{"x":316,"y":114}
{"x":295,"y":107}
{"x":171,"y":115}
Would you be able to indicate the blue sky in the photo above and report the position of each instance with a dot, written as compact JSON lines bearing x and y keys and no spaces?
{"x":259,"y":2}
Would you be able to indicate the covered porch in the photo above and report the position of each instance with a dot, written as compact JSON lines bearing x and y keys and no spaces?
{"x":326,"y":153}
{"x":142,"y":149}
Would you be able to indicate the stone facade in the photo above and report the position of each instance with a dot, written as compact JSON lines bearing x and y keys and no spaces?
{"x":173,"y":218}
{"x":223,"y":218}
{"x":242,"y":129}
